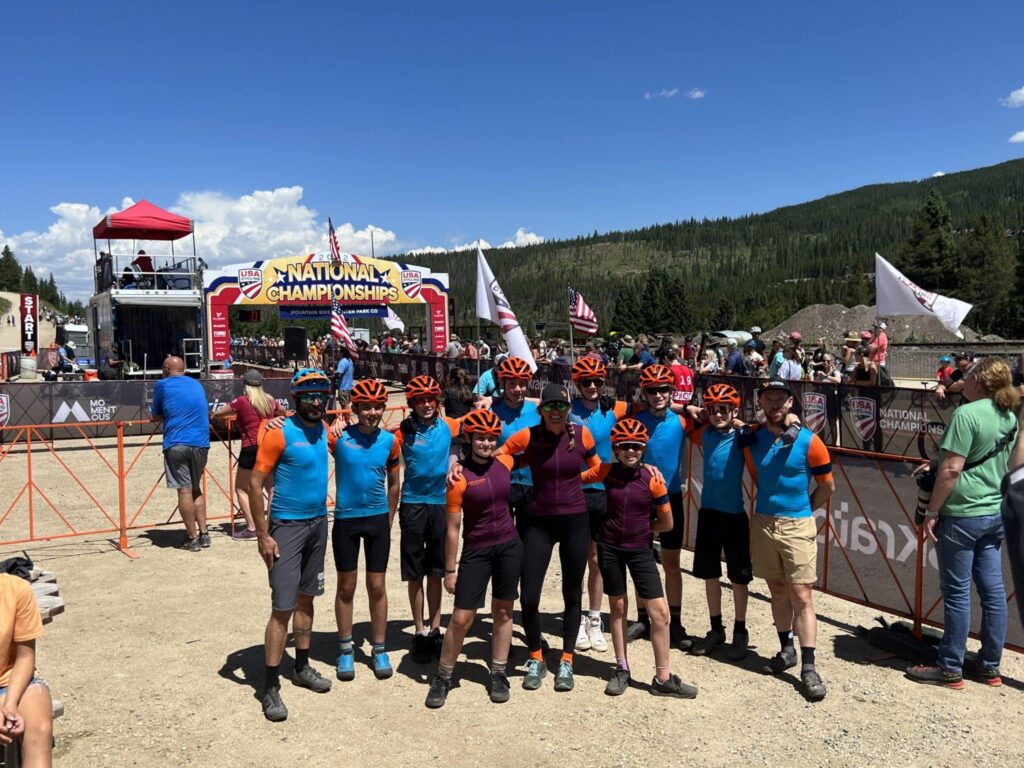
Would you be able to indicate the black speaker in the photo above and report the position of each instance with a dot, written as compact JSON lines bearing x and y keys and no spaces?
{"x":295,"y":343}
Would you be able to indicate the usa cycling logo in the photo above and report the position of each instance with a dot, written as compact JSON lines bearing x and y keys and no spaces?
{"x":815,"y":413}
{"x":5,"y":410}
{"x":865,"y":417}
{"x":250,"y":282}
{"x":412,"y":281}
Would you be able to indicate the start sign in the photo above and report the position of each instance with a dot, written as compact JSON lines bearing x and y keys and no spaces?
{"x":29,"y":324}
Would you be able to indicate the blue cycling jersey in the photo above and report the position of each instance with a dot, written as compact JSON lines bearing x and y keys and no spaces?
{"x":513,"y":420}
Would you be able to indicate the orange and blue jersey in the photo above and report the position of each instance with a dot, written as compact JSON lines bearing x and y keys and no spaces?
{"x":666,"y":446}
{"x":513,"y":420}
{"x":425,"y":449}
{"x":296,"y":455}
{"x":783,"y":472}
{"x":600,"y":425}
{"x":723,"y":469}
{"x":361,"y":465}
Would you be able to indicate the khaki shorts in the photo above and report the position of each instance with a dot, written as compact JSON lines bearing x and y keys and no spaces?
{"x":784,"y":548}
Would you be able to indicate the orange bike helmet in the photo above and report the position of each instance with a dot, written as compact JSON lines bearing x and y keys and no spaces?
{"x":481,"y":422}
{"x":656,"y":376}
{"x":369,"y":391}
{"x":514,"y":368}
{"x":589,"y":368}
{"x":721,"y":394}
{"x":629,"y":431}
{"x":422,"y":386}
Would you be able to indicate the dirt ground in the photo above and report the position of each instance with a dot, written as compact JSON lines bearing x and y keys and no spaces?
{"x":158,"y":659}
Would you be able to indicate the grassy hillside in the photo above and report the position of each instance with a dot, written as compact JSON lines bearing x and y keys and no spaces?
{"x":722,"y":272}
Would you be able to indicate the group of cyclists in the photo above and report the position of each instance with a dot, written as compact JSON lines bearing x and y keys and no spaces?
{"x":514,"y":477}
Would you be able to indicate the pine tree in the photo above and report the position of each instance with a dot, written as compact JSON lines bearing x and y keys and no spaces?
{"x":10,"y":271}
{"x":29,"y":284}
{"x":989,"y":262}
{"x":929,"y":256}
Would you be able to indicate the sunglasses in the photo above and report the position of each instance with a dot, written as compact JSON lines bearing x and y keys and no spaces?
{"x":311,"y":397}
{"x":720,"y":410}
{"x":424,"y":400}
{"x":658,"y":390}
{"x":549,"y":407}
{"x":591,"y":382}
{"x":630,"y":447}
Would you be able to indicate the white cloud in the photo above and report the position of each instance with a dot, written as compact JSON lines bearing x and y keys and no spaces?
{"x":260,"y":225}
{"x":696,"y":93}
{"x":1017,"y":138}
{"x":1015,"y":99}
{"x":664,"y":93}
{"x":522,"y":238}
{"x":938,"y":173}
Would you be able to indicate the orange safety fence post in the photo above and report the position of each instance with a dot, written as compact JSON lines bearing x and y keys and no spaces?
{"x":122,"y":501}
{"x":31,"y":483}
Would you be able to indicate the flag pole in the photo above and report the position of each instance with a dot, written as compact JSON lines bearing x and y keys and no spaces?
{"x":572,"y":347}
{"x":478,"y":339}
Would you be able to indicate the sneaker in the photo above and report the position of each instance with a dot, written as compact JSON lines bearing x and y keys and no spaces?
{"x":347,"y":666}
{"x":933,"y":674}
{"x":382,"y":665}
{"x":438,"y":692}
{"x":535,"y":672}
{"x":618,"y":683}
{"x":583,"y":636}
{"x":678,"y":637}
{"x":708,"y":643}
{"x":564,"y":680}
{"x":673,"y":687}
{"x":420,"y":649}
{"x":638,"y":630}
{"x":780,"y":662}
{"x":243,"y":535}
{"x":738,"y":651}
{"x":596,"y":631}
{"x":310,"y":678}
{"x":500,"y":691}
{"x":814,"y":686}
{"x":190,"y":545}
{"x":204,"y":540}
{"x":978,"y":672}
{"x":273,"y":708}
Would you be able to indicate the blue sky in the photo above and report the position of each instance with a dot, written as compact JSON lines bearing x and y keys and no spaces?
{"x":444,"y":123}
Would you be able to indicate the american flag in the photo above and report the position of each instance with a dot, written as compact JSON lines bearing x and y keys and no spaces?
{"x":581,"y":317}
{"x":339,"y":328}
{"x":335,"y":250}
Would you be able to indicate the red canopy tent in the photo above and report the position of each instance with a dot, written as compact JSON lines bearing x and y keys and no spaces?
{"x":143,"y":221}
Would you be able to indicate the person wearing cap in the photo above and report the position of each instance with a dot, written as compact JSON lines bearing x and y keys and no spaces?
{"x":776,"y":358}
{"x":784,"y":551}
{"x":640,"y":358}
{"x":555,"y":451}
{"x":956,"y":378}
{"x":625,"y":351}
{"x":879,"y":344}
{"x":454,"y":349}
{"x":753,"y":361}
{"x":755,"y":339}
{"x":487,"y":384}
{"x":849,"y":353}
{"x":65,"y":358}
{"x":249,"y":409}
{"x":944,"y":373}
{"x":796,"y":341}
{"x":734,"y":362}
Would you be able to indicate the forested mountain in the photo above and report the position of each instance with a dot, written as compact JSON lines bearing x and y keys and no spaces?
{"x":720,"y":273}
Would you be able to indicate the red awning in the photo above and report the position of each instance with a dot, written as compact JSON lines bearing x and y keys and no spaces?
{"x":143,"y":221}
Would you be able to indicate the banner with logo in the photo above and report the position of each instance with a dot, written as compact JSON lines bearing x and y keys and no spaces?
{"x":29,"y":315}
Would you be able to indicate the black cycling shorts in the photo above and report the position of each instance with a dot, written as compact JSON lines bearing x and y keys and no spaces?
{"x":375,"y":535}
{"x":717,"y":532}
{"x":300,"y":568}
{"x":424,"y":527}
{"x":597,"y":509}
{"x":500,"y":564}
{"x":247,"y":457}
{"x":674,"y":539}
{"x":613,"y":562}
{"x":519,"y":506}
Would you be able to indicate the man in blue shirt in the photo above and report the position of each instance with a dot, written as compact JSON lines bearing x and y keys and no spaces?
{"x":734,"y":363}
{"x":343,"y":378}
{"x":180,"y":404}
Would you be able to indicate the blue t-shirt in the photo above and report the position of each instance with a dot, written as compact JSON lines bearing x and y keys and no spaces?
{"x":300,"y":472}
{"x":723,"y":471}
{"x":345,"y":370}
{"x":734,"y":363}
{"x":425,"y":451}
{"x":488,"y":384}
{"x":775,"y":363}
{"x":600,"y":426}
{"x":181,"y":403}
{"x":361,"y":464}
{"x":513,"y":420}
{"x":666,"y":446}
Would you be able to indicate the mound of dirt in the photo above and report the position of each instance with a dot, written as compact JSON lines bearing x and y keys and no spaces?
{"x":833,"y":321}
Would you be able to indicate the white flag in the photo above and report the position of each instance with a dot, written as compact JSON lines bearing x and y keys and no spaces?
{"x":492,"y":305}
{"x":896,"y":295}
{"x":393,"y":321}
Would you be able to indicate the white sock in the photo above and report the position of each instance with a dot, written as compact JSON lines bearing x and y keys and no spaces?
{"x":594,"y":614}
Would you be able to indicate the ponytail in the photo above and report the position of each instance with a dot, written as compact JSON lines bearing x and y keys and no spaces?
{"x":570,"y":432}
{"x":1006,"y":398}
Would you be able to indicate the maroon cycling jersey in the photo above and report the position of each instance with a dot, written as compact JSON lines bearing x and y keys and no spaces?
{"x":555,"y":468}
{"x":481,"y":495}
{"x":630,"y":494}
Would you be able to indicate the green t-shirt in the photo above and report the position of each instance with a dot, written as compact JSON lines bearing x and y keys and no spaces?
{"x":975,"y":429}
{"x":625,"y":354}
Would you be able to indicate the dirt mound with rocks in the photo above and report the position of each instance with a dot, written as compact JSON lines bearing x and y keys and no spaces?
{"x":834,"y":321}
